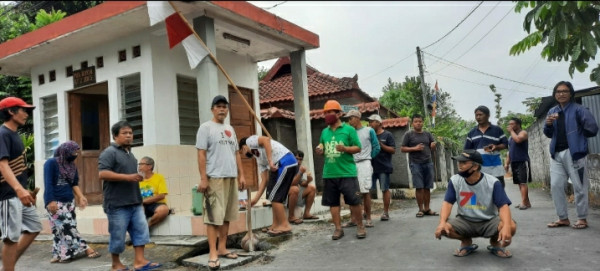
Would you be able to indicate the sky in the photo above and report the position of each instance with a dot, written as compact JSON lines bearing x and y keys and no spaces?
{"x":378,"y":40}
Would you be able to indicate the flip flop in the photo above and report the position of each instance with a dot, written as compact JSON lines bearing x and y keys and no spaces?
{"x":216,"y":266}
{"x":93,"y":255}
{"x":420,"y":214}
{"x":579,"y":226}
{"x":278,"y":233}
{"x":494,"y":250}
{"x":266,"y":229}
{"x":557,"y":224}
{"x":349,"y":225}
{"x":369,"y":224}
{"x":297,"y":221}
{"x":430,"y":213}
{"x":149,"y":266}
{"x":311,"y":217}
{"x":229,"y":255}
{"x":468,"y":250}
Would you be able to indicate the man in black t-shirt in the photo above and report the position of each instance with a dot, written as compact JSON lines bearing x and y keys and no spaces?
{"x":19,"y":220}
{"x":382,"y":163}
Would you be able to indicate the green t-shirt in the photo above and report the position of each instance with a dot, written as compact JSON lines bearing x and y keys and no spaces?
{"x":339,"y":164}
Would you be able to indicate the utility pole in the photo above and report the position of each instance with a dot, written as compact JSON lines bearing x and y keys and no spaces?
{"x":423,"y":90}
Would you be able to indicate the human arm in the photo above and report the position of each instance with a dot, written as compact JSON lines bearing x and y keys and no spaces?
{"x":432,"y":143}
{"x":507,"y":163}
{"x":50,"y":177}
{"x":375,"y":147}
{"x":203,"y":185}
{"x":587,"y":122}
{"x":240,"y":168}
{"x":155,"y":198}
{"x":298,"y":176}
{"x":264,"y":176}
{"x":265,"y":142}
{"x":354,"y":145}
{"x":517,"y":137}
{"x":443,"y":228}
{"x":111,"y":176}
{"x":348,"y":149}
{"x":549,"y":124}
{"x":82,"y":199}
{"x":390,"y":144}
{"x":505,"y":233}
{"x":22,"y":193}
{"x":309,"y":179}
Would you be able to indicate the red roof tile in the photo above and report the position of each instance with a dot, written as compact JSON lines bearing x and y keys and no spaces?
{"x":395,"y":122}
{"x":280,"y":89}
{"x":274,"y":112}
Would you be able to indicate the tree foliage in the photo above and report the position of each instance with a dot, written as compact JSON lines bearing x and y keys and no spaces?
{"x":570,"y":31}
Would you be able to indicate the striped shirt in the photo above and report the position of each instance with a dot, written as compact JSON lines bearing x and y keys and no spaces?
{"x":476,"y":140}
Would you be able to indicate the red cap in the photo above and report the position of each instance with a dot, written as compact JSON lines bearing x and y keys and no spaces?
{"x":9,"y":102}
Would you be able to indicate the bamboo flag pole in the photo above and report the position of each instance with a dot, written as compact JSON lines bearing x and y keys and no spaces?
{"x":214,"y":59}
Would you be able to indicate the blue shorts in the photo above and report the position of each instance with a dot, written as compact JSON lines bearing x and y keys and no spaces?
{"x":384,"y":181}
{"x":126,"y":219}
{"x":422,"y":175}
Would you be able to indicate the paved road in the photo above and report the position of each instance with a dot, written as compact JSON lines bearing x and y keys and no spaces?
{"x":407,"y":243}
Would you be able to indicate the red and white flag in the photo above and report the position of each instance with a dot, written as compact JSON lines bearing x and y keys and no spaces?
{"x":178,"y":30}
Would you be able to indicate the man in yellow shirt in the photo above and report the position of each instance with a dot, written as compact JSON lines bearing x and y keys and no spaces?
{"x":154,"y":192}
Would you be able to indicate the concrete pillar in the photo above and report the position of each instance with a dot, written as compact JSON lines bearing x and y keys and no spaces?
{"x":207,"y":77}
{"x":301,"y":107}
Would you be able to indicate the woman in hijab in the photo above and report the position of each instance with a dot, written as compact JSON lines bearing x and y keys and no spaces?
{"x":61,"y":185}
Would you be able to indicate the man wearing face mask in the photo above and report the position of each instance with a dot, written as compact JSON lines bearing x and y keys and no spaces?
{"x":338,"y":142}
{"x":483,"y":209}
{"x":274,"y":157}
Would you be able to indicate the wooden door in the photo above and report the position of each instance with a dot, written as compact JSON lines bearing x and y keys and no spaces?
{"x":244,"y":125}
{"x":89,"y":127}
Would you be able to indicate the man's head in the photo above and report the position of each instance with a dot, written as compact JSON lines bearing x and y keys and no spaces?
{"x":246,"y":151}
{"x":375,"y":121}
{"x":13,"y":108}
{"x":299,"y":156}
{"x":469,"y":161}
{"x":219,"y":108}
{"x":332,"y":111}
{"x":482,"y":114}
{"x":417,"y":122}
{"x":354,"y":118}
{"x":563,"y":92}
{"x":515,"y":123}
{"x":122,"y":133}
{"x":146,"y":164}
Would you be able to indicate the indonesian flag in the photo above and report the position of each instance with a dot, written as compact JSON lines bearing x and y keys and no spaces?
{"x":178,"y":31}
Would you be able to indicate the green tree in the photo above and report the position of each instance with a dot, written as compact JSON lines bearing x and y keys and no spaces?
{"x":570,"y":31}
{"x":498,"y":99}
{"x":262,"y":72}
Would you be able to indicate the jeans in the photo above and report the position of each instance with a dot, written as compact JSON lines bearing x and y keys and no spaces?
{"x":126,"y":219}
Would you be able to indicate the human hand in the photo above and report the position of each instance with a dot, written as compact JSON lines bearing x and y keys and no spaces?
{"x":319,"y":149}
{"x":52,"y":207}
{"x":509,"y":129}
{"x":442,"y":229}
{"x":550,"y":118}
{"x":506,"y":167}
{"x":83,"y":202}
{"x":432,"y":145}
{"x":241,"y":183}
{"x":420,"y":147}
{"x":134,"y":177}
{"x":340,"y":148}
{"x":504,"y":237}
{"x":25,"y":197}
{"x":272,"y":167}
{"x":253,"y":201}
{"x":203,"y":186}
{"x":302,"y":169}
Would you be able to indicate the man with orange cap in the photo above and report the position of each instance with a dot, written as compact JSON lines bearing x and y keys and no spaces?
{"x":338,"y":142}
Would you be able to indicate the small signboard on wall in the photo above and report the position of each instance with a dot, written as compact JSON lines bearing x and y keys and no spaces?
{"x":84,"y":77}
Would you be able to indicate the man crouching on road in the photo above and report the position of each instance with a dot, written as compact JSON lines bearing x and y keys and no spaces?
{"x":482,"y":210}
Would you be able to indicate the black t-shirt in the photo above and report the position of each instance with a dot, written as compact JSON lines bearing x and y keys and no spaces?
{"x":412,"y":139}
{"x":119,"y":193}
{"x":382,"y":163}
{"x":11,"y":148}
{"x":561,"y":138}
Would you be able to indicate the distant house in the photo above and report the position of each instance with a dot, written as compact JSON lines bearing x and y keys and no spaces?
{"x":277,"y":111}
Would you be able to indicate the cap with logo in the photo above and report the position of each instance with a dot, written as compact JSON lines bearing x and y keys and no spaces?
{"x":219,"y":99}
{"x":9,"y":102}
{"x":375,"y":117}
{"x":469,"y":155}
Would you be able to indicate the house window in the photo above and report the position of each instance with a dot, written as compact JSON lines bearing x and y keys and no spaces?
{"x":41,"y":79}
{"x":131,"y":106}
{"x":50,"y":117}
{"x":69,"y":71}
{"x":52,"y":75}
{"x":189,"y":119}
{"x":122,"y":55}
{"x":136,"y":51}
{"x":84,"y":64}
{"x":99,"y":62}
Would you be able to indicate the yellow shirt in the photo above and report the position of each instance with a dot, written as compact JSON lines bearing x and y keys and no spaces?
{"x":154,"y":186}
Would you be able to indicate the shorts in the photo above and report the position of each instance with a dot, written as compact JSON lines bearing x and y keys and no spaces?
{"x":422,"y":175}
{"x":470,"y":229}
{"x":384,"y":181}
{"x":221,"y":201}
{"x":125,"y":219}
{"x":344,"y":186}
{"x":16,"y":218}
{"x":149,"y":209}
{"x":279,"y":184}
{"x":521,"y":172}
{"x":365,"y":173}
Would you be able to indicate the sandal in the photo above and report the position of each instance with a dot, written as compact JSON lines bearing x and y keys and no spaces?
{"x":579,"y":226}
{"x":430,"y":213}
{"x":296,"y":221}
{"x":420,"y":214}
{"x":54,"y":260}
{"x":93,"y":254}
{"x":349,"y":225}
{"x":228,"y":255}
{"x":468,"y":250}
{"x":496,"y":251}
{"x":369,"y":224}
{"x":337,"y":234}
{"x":311,"y":217}
{"x":385,"y":217}
{"x":216,"y":264}
{"x":557,"y":224}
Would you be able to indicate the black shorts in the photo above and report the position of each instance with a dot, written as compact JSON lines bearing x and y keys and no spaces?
{"x":345,"y":186}
{"x":150,"y":208}
{"x":280,"y":182}
{"x":521,"y":172}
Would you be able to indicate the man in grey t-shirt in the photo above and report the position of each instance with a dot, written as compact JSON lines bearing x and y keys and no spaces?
{"x":221,"y":175}
{"x":418,"y":144}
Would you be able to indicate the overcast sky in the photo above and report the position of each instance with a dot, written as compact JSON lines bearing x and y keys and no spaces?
{"x":366,"y":38}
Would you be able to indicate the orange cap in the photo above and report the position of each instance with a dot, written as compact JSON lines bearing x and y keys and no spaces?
{"x":332,"y":105}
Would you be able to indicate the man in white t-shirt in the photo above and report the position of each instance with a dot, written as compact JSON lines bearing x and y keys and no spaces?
{"x":273,"y":158}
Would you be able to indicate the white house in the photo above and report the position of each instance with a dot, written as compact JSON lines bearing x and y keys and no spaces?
{"x":107,"y":64}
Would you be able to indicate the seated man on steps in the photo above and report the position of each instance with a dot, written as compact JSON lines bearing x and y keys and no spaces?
{"x":482,"y":210}
{"x":301,"y":193}
{"x":154,"y":192}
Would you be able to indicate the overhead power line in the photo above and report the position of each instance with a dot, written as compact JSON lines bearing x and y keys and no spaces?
{"x":484,"y":73}
{"x":398,"y":62}
{"x":471,"y":12}
{"x":275,"y":5}
{"x":486,"y":85}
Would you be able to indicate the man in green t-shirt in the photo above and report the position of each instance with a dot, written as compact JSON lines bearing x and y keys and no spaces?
{"x":338,"y":142}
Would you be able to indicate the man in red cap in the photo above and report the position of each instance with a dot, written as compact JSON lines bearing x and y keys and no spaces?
{"x":19,"y":220}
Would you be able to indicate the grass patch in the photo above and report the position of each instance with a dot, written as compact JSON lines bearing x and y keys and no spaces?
{"x":536,"y":185}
